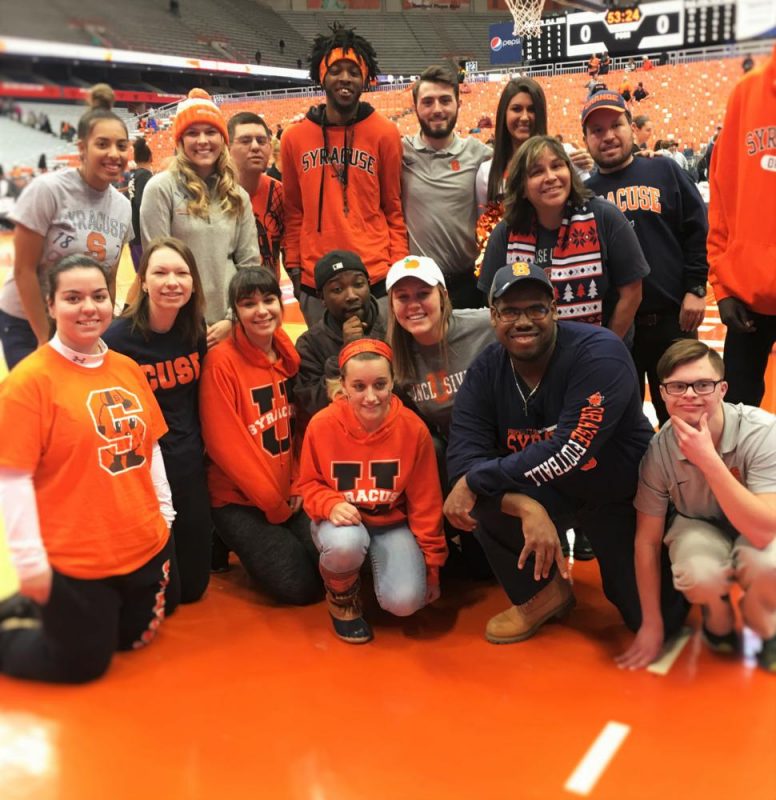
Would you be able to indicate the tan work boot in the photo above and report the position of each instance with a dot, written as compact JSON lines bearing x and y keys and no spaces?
{"x":521,"y":622}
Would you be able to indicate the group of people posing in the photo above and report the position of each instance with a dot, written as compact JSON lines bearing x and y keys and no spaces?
{"x":408,"y":417}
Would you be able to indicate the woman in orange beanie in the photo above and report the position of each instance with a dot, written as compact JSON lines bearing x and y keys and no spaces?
{"x":369,"y":483}
{"x":199,"y":201}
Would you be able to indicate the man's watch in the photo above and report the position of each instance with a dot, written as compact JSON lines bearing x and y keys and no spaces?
{"x":698,"y":291}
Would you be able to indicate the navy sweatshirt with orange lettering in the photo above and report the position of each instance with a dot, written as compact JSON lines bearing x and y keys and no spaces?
{"x":582,"y":433}
{"x":390,"y":475}
{"x":342,"y":191}
{"x":172,"y":367}
{"x":669,"y":217}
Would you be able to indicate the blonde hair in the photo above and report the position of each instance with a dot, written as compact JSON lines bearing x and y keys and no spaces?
{"x":401,"y":342}
{"x":227,"y":187}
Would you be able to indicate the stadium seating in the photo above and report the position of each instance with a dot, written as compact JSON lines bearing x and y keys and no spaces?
{"x":686,"y":103}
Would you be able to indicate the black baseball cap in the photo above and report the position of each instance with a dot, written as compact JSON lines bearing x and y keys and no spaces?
{"x":512,"y":274}
{"x":333,"y":263}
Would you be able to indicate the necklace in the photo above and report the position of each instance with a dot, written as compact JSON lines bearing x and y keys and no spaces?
{"x":530,"y":394}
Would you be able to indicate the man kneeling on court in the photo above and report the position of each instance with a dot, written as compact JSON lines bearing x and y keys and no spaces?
{"x":547,"y":434}
{"x":711,"y":473}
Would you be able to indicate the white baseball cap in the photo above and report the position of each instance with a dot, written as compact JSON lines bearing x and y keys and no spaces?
{"x":421,"y":267}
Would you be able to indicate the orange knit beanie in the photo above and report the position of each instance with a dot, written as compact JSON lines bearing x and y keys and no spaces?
{"x":198,"y":107}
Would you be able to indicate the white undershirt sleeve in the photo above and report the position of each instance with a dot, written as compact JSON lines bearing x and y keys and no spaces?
{"x":22,"y":526}
{"x":161,"y":485}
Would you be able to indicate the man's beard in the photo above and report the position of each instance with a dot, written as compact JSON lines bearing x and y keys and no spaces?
{"x":439,"y":133}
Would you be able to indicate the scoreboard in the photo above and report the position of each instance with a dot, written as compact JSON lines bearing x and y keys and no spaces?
{"x":635,"y":28}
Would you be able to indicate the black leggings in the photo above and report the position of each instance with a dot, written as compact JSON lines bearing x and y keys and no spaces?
{"x":192,"y":531}
{"x":281,"y":559}
{"x":86,"y":621}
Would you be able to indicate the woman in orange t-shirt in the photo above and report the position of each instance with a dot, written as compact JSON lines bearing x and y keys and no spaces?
{"x":84,"y":493}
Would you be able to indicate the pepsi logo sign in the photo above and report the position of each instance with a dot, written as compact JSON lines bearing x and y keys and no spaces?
{"x":496,"y":44}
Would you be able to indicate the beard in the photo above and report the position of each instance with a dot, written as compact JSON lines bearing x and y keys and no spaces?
{"x":438,"y":133}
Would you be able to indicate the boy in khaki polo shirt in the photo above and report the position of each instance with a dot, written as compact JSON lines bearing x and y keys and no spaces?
{"x":712,"y":470}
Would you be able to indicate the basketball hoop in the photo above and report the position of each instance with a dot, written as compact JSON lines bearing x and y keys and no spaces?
{"x":527,"y":15}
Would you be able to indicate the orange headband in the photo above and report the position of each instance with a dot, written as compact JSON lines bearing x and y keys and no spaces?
{"x":338,"y":54}
{"x":364,"y":346}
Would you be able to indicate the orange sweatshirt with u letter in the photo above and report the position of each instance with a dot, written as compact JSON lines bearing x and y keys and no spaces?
{"x":390,"y":475}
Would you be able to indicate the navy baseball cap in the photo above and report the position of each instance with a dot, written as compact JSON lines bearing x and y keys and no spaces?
{"x":606,"y":99}
{"x":335,"y":261}
{"x":512,"y":274}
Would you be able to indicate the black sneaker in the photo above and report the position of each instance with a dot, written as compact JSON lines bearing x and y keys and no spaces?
{"x":766,"y":658}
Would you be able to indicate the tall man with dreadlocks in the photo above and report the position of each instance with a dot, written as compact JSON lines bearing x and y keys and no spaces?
{"x":342,"y":174}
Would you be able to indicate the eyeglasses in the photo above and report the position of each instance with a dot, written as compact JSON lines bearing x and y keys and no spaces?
{"x":678,"y":388}
{"x":247,"y":141}
{"x":535,"y":313}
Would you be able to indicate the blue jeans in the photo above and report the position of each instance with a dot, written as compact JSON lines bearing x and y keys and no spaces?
{"x":398,"y":567}
{"x":17,"y":338}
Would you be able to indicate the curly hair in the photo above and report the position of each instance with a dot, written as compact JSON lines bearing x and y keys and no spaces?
{"x":227,"y":186}
{"x":346,"y":39}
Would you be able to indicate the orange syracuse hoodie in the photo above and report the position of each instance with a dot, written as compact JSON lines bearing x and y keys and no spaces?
{"x":342,"y":191}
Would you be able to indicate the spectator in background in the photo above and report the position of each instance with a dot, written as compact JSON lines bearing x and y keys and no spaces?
{"x":647,"y":64}
{"x":439,"y":170}
{"x":606,"y":63}
{"x":275,"y":170}
{"x":626,"y":88}
{"x":593,"y":65}
{"x":641,"y":93}
{"x":673,"y":149}
{"x":747,"y":64}
{"x":199,"y":201}
{"x":138,"y":178}
{"x":643,"y":129}
{"x":45,"y":232}
{"x":250,"y":147}
{"x":342,"y":173}
{"x":630,"y":66}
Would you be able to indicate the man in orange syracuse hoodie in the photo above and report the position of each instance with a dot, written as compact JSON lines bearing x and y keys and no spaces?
{"x":742,"y":231}
{"x":342,"y":174}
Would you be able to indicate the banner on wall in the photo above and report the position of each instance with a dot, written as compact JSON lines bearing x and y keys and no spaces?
{"x":505,"y":47}
{"x":451,"y":5}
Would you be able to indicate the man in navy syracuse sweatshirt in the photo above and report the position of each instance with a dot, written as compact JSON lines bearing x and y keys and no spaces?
{"x":547,"y":434}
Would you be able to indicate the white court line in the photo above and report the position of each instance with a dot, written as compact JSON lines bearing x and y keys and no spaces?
{"x":596,"y":760}
{"x":666,"y":661}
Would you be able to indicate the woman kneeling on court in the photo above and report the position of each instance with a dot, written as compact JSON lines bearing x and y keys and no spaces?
{"x":369,"y":483}
{"x":248,"y":418}
{"x":84,"y":493}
